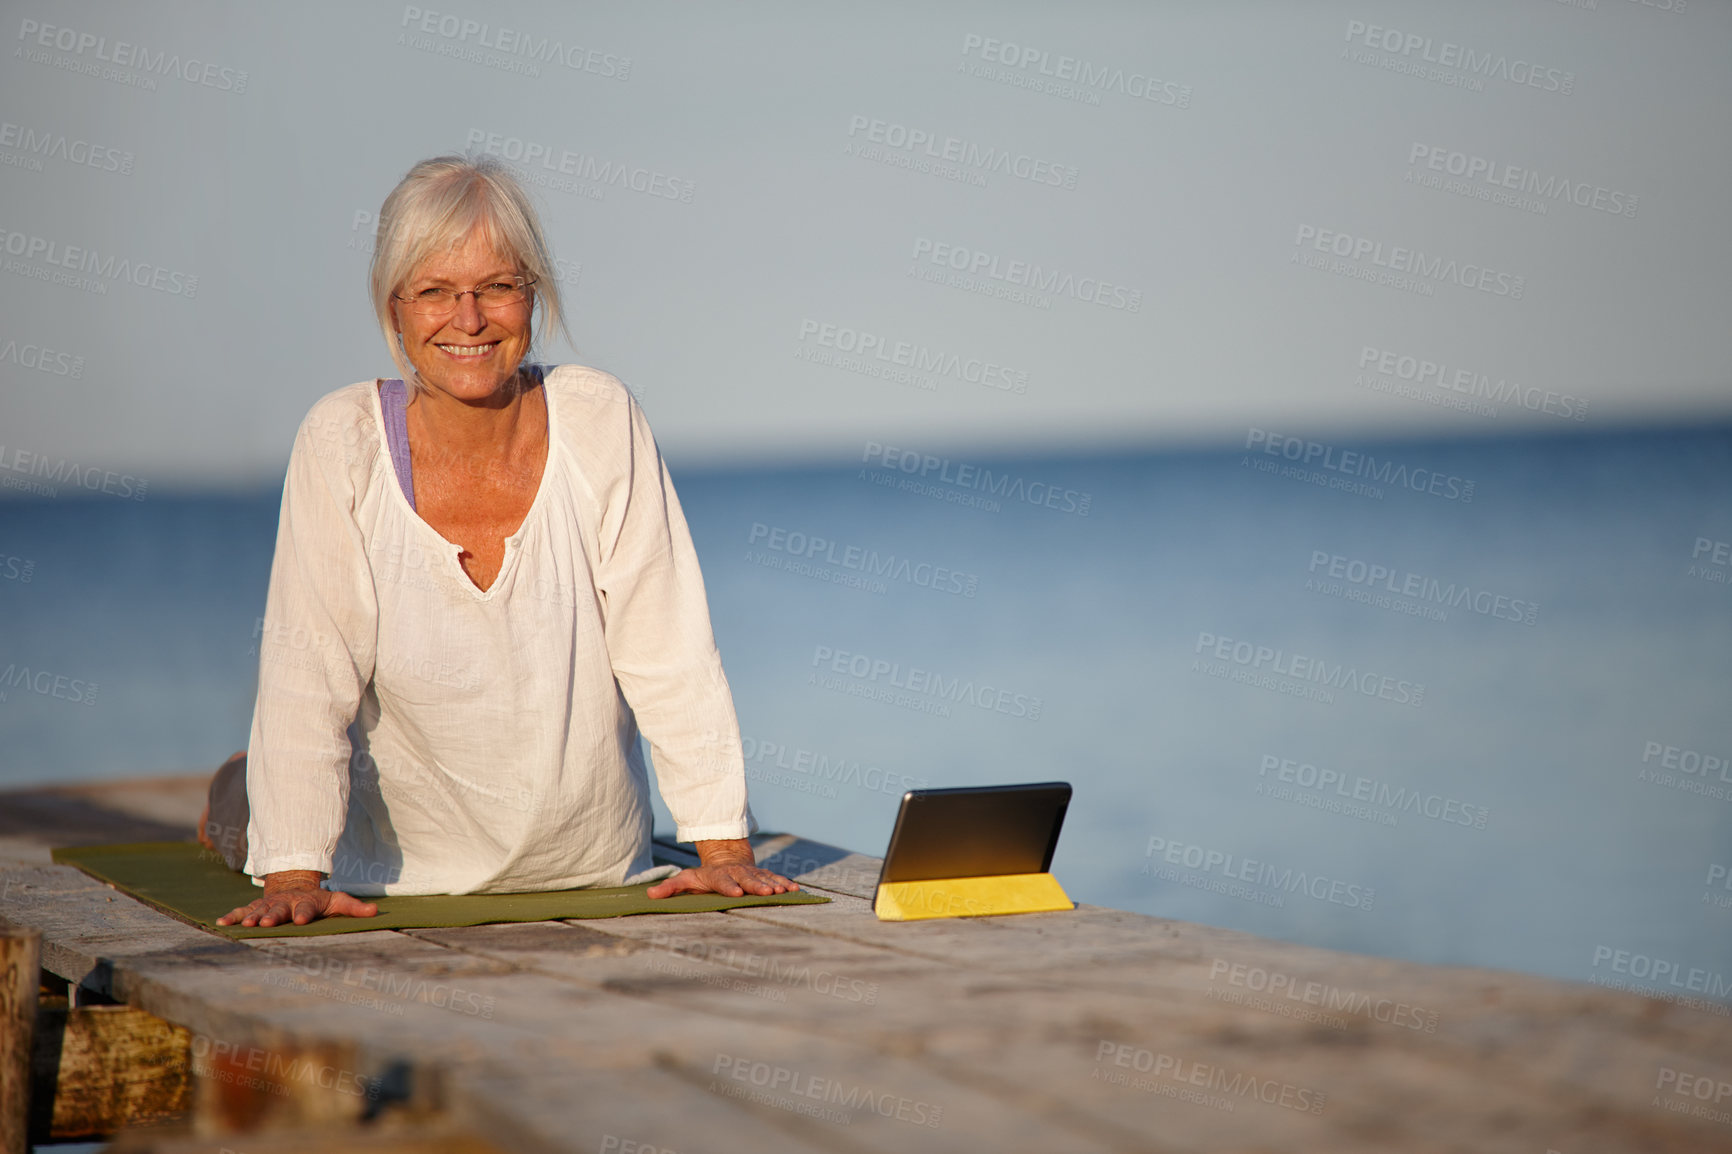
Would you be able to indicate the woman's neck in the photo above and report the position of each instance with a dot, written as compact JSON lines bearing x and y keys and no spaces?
{"x":495,"y":426}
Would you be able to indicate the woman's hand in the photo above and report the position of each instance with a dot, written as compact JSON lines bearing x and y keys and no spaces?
{"x":728,"y":869}
{"x":295,"y":896}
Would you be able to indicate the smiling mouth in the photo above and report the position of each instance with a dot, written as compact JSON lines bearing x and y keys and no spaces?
{"x":470,"y":350}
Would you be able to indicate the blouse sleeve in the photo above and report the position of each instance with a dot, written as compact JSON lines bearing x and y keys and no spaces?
{"x":663,"y":652}
{"x":316,"y":653}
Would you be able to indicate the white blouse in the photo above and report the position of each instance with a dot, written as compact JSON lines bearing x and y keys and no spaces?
{"x":415,"y":734}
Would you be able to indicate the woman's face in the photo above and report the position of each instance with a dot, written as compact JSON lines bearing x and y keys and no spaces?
{"x":467,"y":353}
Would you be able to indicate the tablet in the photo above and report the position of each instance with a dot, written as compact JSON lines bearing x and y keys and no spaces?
{"x":975,"y":831}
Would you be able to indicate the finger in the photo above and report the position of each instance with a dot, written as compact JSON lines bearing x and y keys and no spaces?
{"x":258,"y":909}
{"x":234,"y":915}
{"x":277,"y":910}
{"x":307,"y":908}
{"x":764,"y":882}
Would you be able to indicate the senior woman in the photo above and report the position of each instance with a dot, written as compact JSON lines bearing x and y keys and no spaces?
{"x":483,"y":589}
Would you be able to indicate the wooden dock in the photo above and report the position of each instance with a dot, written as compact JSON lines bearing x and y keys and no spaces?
{"x":821,"y":1029}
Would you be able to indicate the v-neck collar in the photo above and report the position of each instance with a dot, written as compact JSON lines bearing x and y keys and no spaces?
{"x":451,"y":549}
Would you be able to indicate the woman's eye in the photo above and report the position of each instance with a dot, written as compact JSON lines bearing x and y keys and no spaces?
{"x":430,"y":294}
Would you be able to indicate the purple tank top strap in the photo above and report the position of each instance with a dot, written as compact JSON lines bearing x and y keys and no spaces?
{"x":394,"y":401}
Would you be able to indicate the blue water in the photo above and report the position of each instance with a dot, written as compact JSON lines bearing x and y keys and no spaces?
{"x":1123,"y":624}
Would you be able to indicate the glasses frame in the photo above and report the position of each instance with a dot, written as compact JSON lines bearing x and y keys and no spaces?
{"x":454,"y":297}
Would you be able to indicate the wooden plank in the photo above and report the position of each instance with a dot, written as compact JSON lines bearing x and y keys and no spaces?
{"x":100,"y":1069}
{"x":546,"y":1111}
{"x":20,"y":963}
{"x":87,"y":925}
{"x":632,"y":1022}
{"x":723,"y":968}
{"x":740,"y":1088}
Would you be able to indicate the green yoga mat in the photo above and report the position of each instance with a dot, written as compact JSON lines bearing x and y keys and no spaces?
{"x":193,"y":884}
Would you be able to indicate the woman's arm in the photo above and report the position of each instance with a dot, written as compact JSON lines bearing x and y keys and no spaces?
{"x":663,"y":652}
{"x":316,"y":656}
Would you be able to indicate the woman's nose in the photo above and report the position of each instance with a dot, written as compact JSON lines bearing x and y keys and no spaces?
{"x":469,"y":316}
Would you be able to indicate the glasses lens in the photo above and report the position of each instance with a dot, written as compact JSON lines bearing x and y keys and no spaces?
{"x":500,"y":294}
{"x":432,"y":302}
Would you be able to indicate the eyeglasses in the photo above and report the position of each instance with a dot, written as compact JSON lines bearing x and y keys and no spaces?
{"x":436,"y":302}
